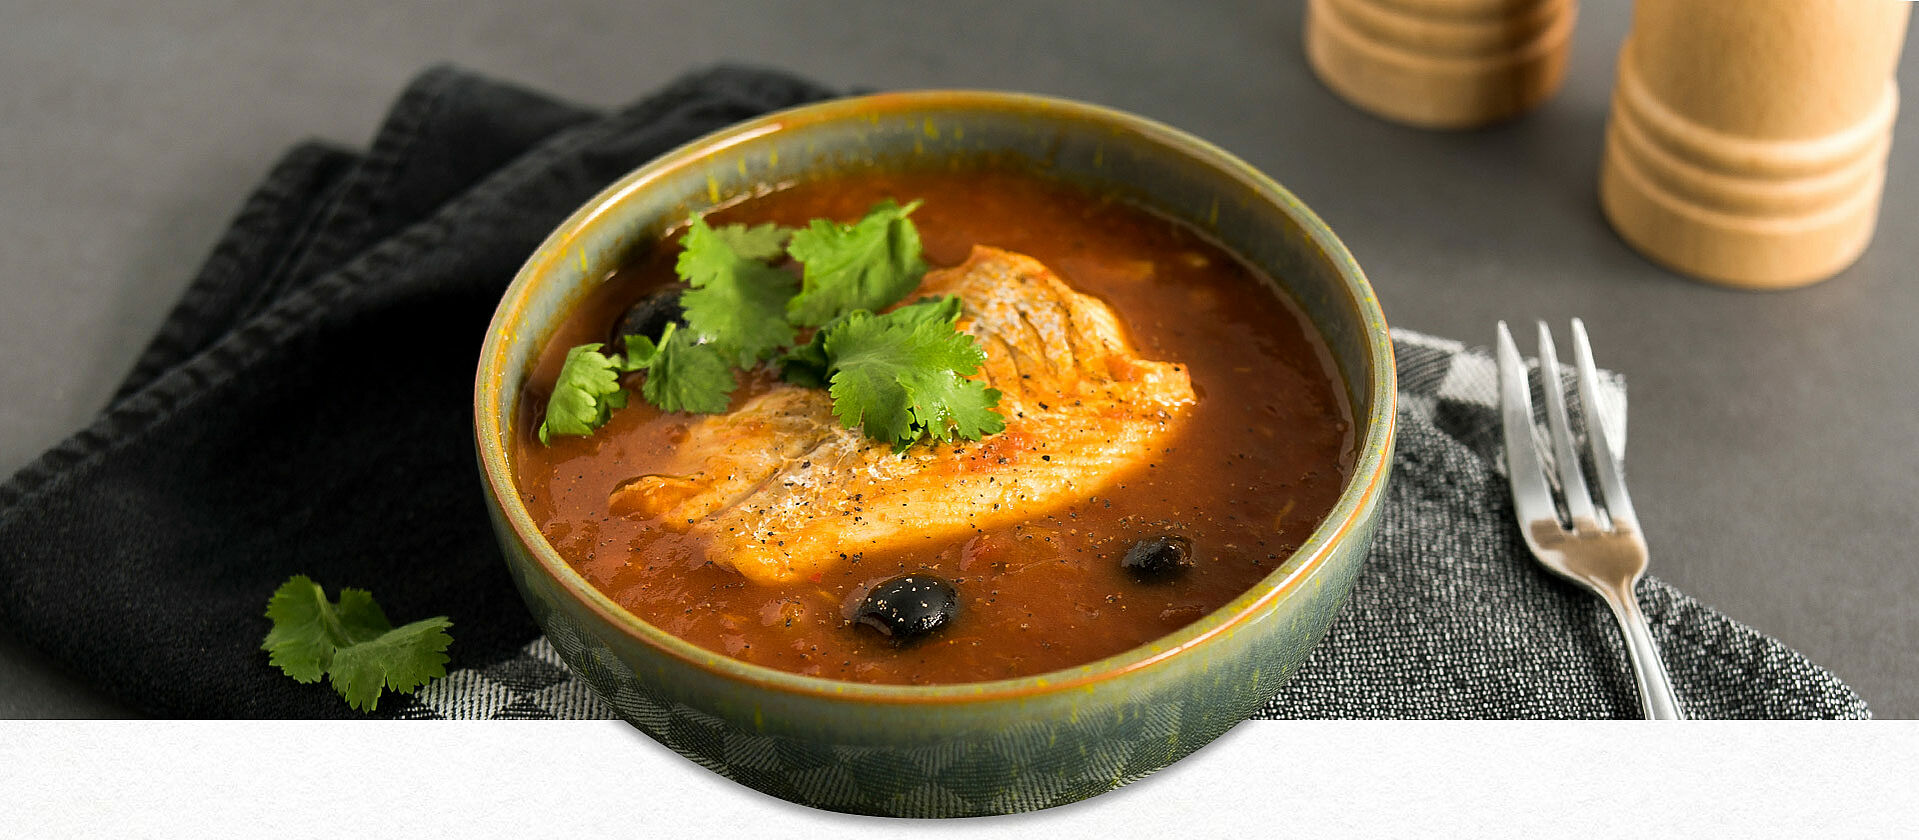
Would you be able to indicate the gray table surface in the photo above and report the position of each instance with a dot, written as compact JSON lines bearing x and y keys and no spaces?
{"x":1772,"y":453}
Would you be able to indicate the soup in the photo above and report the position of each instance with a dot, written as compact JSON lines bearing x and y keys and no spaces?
{"x":1201,"y":509}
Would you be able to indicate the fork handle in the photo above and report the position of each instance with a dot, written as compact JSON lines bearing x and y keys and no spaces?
{"x":1656,"y":695}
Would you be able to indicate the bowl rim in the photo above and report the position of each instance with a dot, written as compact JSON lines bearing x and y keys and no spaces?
{"x":1362,"y":493}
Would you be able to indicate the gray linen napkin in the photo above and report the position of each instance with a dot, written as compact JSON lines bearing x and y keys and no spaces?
{"x":1451,"y":618}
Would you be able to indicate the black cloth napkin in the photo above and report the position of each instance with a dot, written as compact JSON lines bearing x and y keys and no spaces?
{"x":306,"y":409}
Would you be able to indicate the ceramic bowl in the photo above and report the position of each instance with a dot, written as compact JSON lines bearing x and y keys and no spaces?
{"x":976,"y":748}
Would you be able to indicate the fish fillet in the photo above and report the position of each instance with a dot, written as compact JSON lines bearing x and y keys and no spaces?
{"x":781,"y":490}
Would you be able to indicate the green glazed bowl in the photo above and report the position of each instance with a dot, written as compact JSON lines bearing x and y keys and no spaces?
{"x":975,"y":748}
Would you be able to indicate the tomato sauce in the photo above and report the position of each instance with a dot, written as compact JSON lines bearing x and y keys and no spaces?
{"x":1256,"y":466}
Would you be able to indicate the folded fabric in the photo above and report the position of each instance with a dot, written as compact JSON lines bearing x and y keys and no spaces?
{"x":306,"y":409}
{"x":1453,"y":618}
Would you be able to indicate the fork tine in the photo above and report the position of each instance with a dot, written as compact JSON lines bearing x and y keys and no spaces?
{"x":1532,"y":497}
{"x":1606,"y":466}
{"x":1572,"y":479}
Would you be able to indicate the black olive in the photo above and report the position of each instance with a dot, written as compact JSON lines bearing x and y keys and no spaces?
{"x":1158,"y":558}
{"x":648,"y":316}
{"x":908,"y":607}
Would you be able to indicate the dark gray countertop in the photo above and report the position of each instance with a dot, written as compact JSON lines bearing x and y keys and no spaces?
{"x":1772,"y":435}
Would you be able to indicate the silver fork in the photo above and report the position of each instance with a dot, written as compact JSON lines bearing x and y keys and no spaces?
{"x":1597,"y":547}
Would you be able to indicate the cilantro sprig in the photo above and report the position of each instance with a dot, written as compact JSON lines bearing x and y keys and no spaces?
{"x":681,"y":375}
{"x":352,"y":643}
{"x":758,"y":242}
{"x":903,"y":375}
{"x":869,"y":264}
{"x":737,"y":304}
{"x":584,"y":395}
{"x":900,"y":376}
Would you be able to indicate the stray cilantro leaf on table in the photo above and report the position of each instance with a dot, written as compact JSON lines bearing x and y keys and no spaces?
{"x":870,"y":264}
{"x":584,"y":395}
{"x":352,"y":643}
{"x":737,"y":304}
{"x":903,"y":376}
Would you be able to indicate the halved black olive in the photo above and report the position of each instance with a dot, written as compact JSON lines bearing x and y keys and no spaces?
{"x":1158,"y":558}
{"x":648,"y":316}
{"x":908,"y":607}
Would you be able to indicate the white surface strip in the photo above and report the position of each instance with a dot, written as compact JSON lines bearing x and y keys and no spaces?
{"x":296,"y":779}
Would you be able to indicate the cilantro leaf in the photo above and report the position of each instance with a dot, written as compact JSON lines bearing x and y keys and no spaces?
{"x":940,"y":310}
{"x":682,"y":375}
{"x":902,"y":376}
{"x":352,"y":643}
{"x":806,"y":365}
{"x":584,"y":395}
{"x":869,"y":264}
{"x":764,"y":242}
{"x":964,"y":411}
{"x":737,"y":304}
{"x":641,"y":351}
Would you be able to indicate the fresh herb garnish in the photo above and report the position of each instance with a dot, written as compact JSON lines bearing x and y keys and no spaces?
{"x":584,"y":395}
{"x":900,"y":376}
{"x":759,"y":242}
{"x":681,"y":375}
{"x":943,"y":310}
{"x":903,"y":375}
{"x":737,"y":304}
{"x":351,"y":643}
{"x":806,"y":364}
{"x":869,"y":264}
